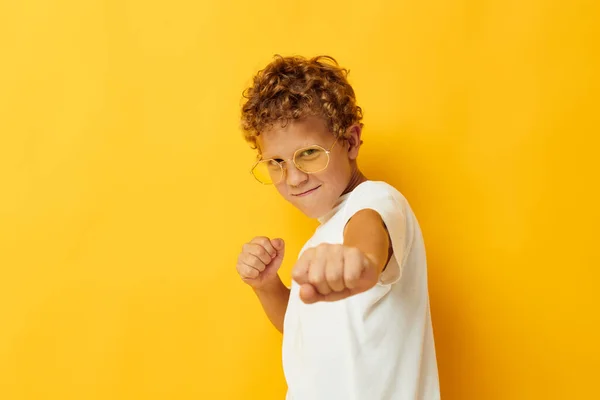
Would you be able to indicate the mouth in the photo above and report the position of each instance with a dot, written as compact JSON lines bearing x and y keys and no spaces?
{"x":306,"y":193}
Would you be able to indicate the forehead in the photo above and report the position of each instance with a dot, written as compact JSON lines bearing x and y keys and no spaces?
{"x":285,"y":140}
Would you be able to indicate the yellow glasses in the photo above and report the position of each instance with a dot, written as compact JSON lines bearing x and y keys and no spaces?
{"x":309,"y":160}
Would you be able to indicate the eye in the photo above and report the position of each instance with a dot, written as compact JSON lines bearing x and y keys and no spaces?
{"x":274,"y":163}
{"x":308,"y":152}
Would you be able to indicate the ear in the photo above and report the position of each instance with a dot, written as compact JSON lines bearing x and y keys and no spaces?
{"x":353,"y":137}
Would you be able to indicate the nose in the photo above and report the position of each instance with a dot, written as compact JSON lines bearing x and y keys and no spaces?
{"x":293,"y":176}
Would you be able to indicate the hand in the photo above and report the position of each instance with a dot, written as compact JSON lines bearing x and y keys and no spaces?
{"x":260,"y":260}
{"x":331,"y":272}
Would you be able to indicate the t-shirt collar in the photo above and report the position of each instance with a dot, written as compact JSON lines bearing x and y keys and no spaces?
{"x":338,"y":204}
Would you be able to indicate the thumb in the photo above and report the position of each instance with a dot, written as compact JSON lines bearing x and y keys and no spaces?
{"x":308,"y":294}
{"x":279,"y":245}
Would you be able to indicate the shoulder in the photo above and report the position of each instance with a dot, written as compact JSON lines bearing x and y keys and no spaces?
{"x":382,"y":198}
{"x":394,"y":211}
{"x":373,"y":192}
{"x":375,"y":189}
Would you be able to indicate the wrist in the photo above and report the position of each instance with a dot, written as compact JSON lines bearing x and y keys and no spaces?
{"x":272,"y":285}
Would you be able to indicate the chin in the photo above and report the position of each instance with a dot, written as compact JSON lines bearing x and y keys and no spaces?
{"x":314,"y":205}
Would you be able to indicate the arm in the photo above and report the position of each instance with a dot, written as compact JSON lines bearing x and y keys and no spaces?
{"x":331,"y":272}
{"x":257,"y":265}
{"x":274,"y":299}
{"x":367,"y":232}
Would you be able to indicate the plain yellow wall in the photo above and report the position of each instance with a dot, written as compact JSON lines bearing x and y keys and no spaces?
{"x":125,"y":192}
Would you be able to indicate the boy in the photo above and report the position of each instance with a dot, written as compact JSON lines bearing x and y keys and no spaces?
{"x":356,"y":322}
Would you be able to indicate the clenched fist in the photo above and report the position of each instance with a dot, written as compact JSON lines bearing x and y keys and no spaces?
{"x":260,"y":260}
{"x":331,"y":272}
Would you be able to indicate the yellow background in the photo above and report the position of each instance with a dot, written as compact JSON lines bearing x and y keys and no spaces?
{"x":125,"y":193}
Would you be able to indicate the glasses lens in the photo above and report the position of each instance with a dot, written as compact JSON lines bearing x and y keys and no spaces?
{"x":268,"y":171}
{"x":311,"y":159}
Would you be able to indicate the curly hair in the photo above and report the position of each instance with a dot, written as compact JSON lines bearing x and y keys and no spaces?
{"x":291,"y":88}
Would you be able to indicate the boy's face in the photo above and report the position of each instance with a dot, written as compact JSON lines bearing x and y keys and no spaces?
{"x":314,"y":194}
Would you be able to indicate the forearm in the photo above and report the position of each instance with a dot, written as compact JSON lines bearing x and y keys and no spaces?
{"x":274,"y":300}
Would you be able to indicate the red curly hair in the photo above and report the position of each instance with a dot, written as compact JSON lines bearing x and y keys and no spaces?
{"x":291,"y":88}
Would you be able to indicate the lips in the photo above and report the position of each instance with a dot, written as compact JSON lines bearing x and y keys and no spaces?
{"x":307,"y":192}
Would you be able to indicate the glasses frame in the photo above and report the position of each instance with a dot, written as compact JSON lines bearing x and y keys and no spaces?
{"x":293,"y":160}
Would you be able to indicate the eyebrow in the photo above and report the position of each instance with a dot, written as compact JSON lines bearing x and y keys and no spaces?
{"x":263,"y":157}
{"x":276,"y":156}
{"x":272,"y":157}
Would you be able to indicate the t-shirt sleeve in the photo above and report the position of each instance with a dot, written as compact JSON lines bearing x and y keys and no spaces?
{"x":382,"y":198}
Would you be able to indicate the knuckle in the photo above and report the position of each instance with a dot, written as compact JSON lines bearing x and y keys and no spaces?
{"x":258,"y":264}
{"x":353,"y":277}
{"x":262,"y":253}
{"x":352,"y":251}
{"x":333,"y":274}
{"x":296,"y":273}
{"x":322,"y":248}
{"x":353,"y":271}
{"x":242,"y":258}
{"x":251,"y":273}
{"x":263,"y":240}
{"x":314,"y":279}
{"x":338,"y":252}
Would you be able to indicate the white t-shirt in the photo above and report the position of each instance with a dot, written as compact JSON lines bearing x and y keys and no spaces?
{"x":377,"y":345}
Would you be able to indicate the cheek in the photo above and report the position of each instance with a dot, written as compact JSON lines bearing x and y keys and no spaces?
{"x":282,"y":189}
{"x":337,"y":173}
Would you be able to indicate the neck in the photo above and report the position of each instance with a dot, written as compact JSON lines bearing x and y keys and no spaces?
{"x":356,"y":179}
